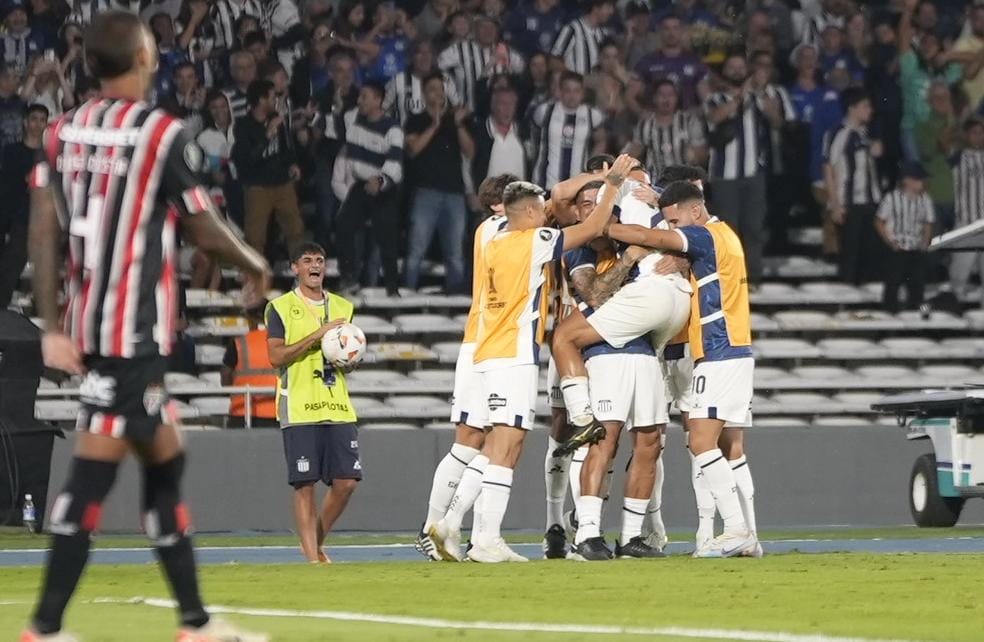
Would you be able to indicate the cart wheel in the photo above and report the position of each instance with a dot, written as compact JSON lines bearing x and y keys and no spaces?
{"x":927,"y":507}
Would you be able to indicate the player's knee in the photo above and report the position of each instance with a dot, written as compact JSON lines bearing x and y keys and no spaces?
{"x":79,"y":508}
{"x":166,"y":518}
{"x":344,"y":486}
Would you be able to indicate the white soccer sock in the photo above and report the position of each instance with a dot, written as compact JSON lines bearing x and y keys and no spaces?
{"x":705,"y":501}
{"x":577,"y":462}
{"x":746,"y":490}
{"x":720,"y":479}
{"x":654,"y":511}
{"x":589,"y":518}
{"x":446,"y":478}
{"x":633,"y":514}
{"x":468,"y":489}
{"x":496,"y":486}
{"x":555,"y":474}
{"x":577,"y":398}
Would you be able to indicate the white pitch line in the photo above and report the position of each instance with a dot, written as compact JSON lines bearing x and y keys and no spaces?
{"x":510,"y":627}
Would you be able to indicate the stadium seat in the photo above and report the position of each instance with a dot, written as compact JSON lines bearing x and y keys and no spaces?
{"x":780,"y":422}
{"x":763,"y":323}
{"x":375,"y":298}
{"x":418,"y":406}
{"x":823,"y":377}
{"x":889,"y":376}
{"x":845,"y":348}
{"x":426,"y":324}
{"x":765,"y":374}
{"x":185,"y":411}
{"x":198,"y":298}
{"x":803,"y":320}
{"x":770,"y":293}
{"x":868,"y":320}
{"x":762,"y":404}
{"x":208,"y":354}
{"x":210,"y":406}
{"x":803,"y":403}
{"x":975,"y":319}
{"x":949,"y":374}
{"x":806,"y":235}
{"x":439,"y":425}
{"x":172,"y":379}
{"x":784,"y":349}
{"x":447,"y":351}
{"x":211,"y":379}
{"x":47,"y":384}
{"x":838,"y":421}
{"x":56,"y":409}
{"x":433,"y":380}
{"x":962,"y":347}
{"x":799,"y":267}
{"x":400,"y":351}
{"x":371,"y":324}
{"x":937,"y":320}
{"x":857,"y":402}
{"x":832,"y":292}
{"x":388,"y":425}
{"x":910,"y":347}
{"x":225,"y":326}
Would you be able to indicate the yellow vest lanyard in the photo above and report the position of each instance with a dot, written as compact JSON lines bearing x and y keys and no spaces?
{"x":328,"y":372}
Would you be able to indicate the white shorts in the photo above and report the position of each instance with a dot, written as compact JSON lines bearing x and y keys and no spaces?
{"x":651,"y":304}
{"x":679,"y":375}
{"x":627,"y":388}
{"x":512,"y":395}
{"x":553,"y":386}
{"x":723,"y":390}
{"x":469,"y":403}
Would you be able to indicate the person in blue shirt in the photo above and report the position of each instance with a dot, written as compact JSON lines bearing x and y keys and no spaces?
{"x":816,"y":105}
{"x":533,"y":25}
{"x":390,"y":43}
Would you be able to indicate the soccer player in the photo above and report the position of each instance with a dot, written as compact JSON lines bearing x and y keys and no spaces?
{"x":510,"y":331}
{"x":119,"y":177}
{"x":460,"y":472}
{"x":720,"y":342}
{"x":622,"y":390}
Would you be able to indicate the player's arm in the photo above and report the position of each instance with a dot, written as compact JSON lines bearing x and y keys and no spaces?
{"x":594,"y":225}
{"x":656,"y":239}
{"x":594,"y":289}
{"x":281,"y":354}
{"x":564,"y":192}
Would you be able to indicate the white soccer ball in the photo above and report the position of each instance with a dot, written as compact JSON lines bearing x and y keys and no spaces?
{"x":344,"y":346}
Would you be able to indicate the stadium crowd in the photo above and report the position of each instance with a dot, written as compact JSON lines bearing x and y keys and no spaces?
{"x":367,"y":126}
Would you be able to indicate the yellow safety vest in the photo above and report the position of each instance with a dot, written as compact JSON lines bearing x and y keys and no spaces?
{"x":310,"y":390}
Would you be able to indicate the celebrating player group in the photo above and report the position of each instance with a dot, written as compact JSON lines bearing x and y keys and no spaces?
{"x":650,"y":308}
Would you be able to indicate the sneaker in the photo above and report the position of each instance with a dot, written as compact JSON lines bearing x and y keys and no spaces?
{"x":592,"y":549}
{"x":727,"y":545}
{"x":756,"y":551}
{"x":29,"y":635}
{"x":637,"y":548}
{"x":218,"y":630}
{"x":590,"y":434}
{"x":446,"y":541}
{"x":425,"y":546}
{"x":493,"y":553}
{"x":555,"y":543}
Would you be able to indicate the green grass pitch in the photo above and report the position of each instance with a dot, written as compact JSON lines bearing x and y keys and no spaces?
{"x":912,"y":597}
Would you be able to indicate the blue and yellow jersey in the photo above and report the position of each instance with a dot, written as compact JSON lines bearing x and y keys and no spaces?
{"x":720,"y":320}
{"x":583,"y":258}
{"x":486,"y":230}
{"x":513,"y":317}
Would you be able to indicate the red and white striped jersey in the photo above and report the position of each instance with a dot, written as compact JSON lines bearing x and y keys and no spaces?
{"x":121,"y":174}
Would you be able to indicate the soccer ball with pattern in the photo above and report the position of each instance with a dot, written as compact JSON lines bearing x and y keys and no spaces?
{"x":344,"y":346}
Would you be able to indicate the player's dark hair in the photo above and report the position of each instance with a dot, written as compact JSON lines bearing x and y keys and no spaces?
{"x":587,"y":187}
{"x":571,"y":75}
{"x":376,"y":88}
{"x":258,"y":89}
{"x":852,"y":96}
{"x":520,"y":190}
{"x":678,"y":192}
{"x":674,"y":173}
{"x":597,"y":163}
{"x":111,"y":43}
{"x":490,"y":191}
{"x":303,"y":249}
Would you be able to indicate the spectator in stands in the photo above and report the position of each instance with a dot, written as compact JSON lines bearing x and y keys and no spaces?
{"x":431,"y":20}
{"x":833,"y":12}
{"x":533,"y":26}
{"x":567,"y":133}
{"x":242,"y":67}
{"x":690,"y":12}
{"x":577,"y":45}
{"x":267,"y":167}
{"x":436,"y":140}
{"x":46,"y":84}
{"x":216,"y":140}
{"x":905,"y":222}
{"x":11,"y":107}
{"x":16,"y":162}
{"x":70,"y":50}
{"x":281,"y":20}
{"x":672,"y":61}
{"x":968,"y":179}
{"x":499,"y":141}
{"x":21,"y":45}
{"x":472,"y":61}
{"x":640,"y":40}
{"x":169,"y":53}
{"x":312,"y":71}
{"x":669,"y":135}
{"x":405,"y":92}
{"x":606,"y":86}
{"x":391,"y":34}
{"x":187,"y":97}
{"x":780,"y":21}
{"x":224,"y":17}
{"x":853,"y":190}
{"x":366,"y":179}
{"x":738,"y":196}
{"x":198,"y":39}
{"x":936,"y":140}
{"x":971,"y":42}
{"x":836,"y":54}
{"x":45,"y":21}
{"x":247,"y":363}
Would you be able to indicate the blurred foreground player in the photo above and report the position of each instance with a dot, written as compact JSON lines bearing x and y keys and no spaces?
{"x":119,"y":177}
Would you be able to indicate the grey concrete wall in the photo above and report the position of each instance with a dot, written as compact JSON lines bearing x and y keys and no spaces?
{"x":803,"y":477}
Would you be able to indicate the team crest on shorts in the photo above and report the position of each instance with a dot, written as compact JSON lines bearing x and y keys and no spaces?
{"x":605,"y":405}
{"x":495,"y":401}
{"x":153,"y":399}
{"x":303,"y":465}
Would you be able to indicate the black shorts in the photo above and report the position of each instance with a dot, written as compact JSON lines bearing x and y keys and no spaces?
{"x":321,"y":452}
{"x":124,"y":398}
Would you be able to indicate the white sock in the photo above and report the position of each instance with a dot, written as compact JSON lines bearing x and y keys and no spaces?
{"x":555,"y":474}
{"x":746,"y":490}
{"x":720,"y":480}
{"x":468,"y":489}
{"x":654,"y":511}
{"x":577,"y":398}
{"x":633,"y":514}
{"x":496,"y":486}
{"x":577,"y":462}
{"x":589,"y":518}
{"x":446,"y":478}
{"x":705,"y":501}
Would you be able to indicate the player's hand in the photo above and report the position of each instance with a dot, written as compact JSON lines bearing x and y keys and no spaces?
{"x":374,"y":185}
{"x":294,"y":173}
{"x":672,"y":265}
{"x":60,"y":353}
{"x":327,"y":326}
{"x":636,"y":253}
{"x":255,"y":287}
{"x":619,"y":170}
{"x":646,"y":194}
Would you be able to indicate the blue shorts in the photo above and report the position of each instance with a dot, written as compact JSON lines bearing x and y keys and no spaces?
{"x":322,"y":452}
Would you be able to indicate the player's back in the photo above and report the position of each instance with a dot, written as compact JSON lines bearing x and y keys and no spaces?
{"x":483,"y":234}
{"x":111,"y":164}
